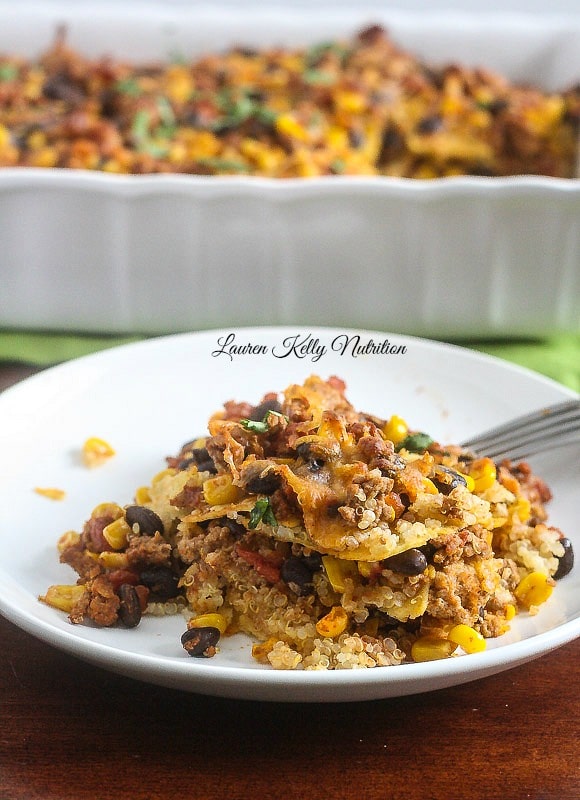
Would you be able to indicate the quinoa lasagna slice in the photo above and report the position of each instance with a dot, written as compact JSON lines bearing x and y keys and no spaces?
{"x":336,"y":538}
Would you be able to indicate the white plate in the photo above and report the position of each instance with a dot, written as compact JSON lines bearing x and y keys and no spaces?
{"x":148,"y":398}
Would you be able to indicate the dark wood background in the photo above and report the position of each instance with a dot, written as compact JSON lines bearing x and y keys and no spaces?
{"x":71,"y":731}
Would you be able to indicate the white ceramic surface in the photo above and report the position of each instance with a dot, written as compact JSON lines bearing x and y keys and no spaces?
{"x":450,"y":257}
{"x":148,"y":398}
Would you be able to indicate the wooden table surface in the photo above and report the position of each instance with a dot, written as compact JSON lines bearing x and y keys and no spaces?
{"x":71,"y":731}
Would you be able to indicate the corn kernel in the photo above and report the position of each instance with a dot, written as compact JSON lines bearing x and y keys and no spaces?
{"x":220,"y":491}
{"x":337,"y":570}
{"x":63,"y":596}
{"x":4,"y":137}
{"x":287,"y":125}
{"x":396,"y":429}
{"x":337,"y":137}
{"x":470,"y":640}
{"x":351,"y":102}
{"x":165,"y":473}
{"x":523,"y":509}
{"x":534,"y":589}
{"x":50,"y":493}
{"x":113,"y":560}
{"x":209,"y":620}
{"x":333,"y":624}
{"x":44,"y":157}
{"x":469,"y":482}
{"x":116,"y":533}
{"x":431,"y":648}
{"x":260,"y":651}
{"x":429,"y":487}
{"x":113,"y":166}
{"x":96,"y":451}
{"x":142,"y":496}
{"x":365,"y":568}
{"x":36,"y":140}
{"x":483,"y":473}
{"x":107,"y":510}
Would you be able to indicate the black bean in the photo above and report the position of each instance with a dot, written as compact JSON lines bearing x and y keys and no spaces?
{"x":185,"y":463}
{"x":233,"y":526}
{"x":260,"y":411}
{"x":392,"y":144}
{"x":207,"y":466}
{"x":201,"y":457}
{"x":130,"y":608}
{"x":411,"y":562}
{"x":313,"y":561}
{"x":303,"y":450}
{"x":199,"y":454}
{"x":428,"y":551}
{"x":146,"y":520}
{"x":161,"y":581}
{"x":62,"y":87}
{"x":405,"y":499}
{"x":446,"y":479}
{"x":201,"y":642}
{"x":297,"y":575}
{"x":355,"y":138}
{"x":565,"y":562}
{"x":496,"y":106}
{"x":315,"y":461}
{"x":263,"y":484}
{"x":429,"y":124}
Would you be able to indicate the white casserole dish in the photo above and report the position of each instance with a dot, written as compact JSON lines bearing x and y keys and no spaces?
{"x":149,"y":254}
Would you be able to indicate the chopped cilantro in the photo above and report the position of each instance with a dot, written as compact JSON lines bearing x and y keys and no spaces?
{"x":318,"y":76}
{"x":261,"y":426}
{"x":254,"y":425}
{"x":140,"y":126}
{"x":129,"y":86}
{"x":315,"y":53}
{"x":8,"y":72}
{"x":165,"y":111}
{"x":141,"y":134}
{"x":416,"y":442}
{"x":237,"y":110}
{"x":262,"y":512}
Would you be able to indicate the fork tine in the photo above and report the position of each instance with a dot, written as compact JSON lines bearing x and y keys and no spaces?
{"x":524,"y":448}
{"x":530,"y":433}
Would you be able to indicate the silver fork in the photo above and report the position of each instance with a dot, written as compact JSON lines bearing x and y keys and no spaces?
{"x":529,"y":434}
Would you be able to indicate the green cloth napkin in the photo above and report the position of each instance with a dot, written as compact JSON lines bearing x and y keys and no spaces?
{"x":557,"y":357}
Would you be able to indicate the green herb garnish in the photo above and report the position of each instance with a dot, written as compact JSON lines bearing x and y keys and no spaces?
{"x":140,"y":126}
{"x":315,"y":53}
{"x":318,"y":76}
{"x":416,"y":442}
{"x":262,"y":512}
{"x":141,"y":133}
{"x":8,"y":72}
{"x":260,"y":426}
{"x":129,"y":86}
{"x":165,"y":111}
